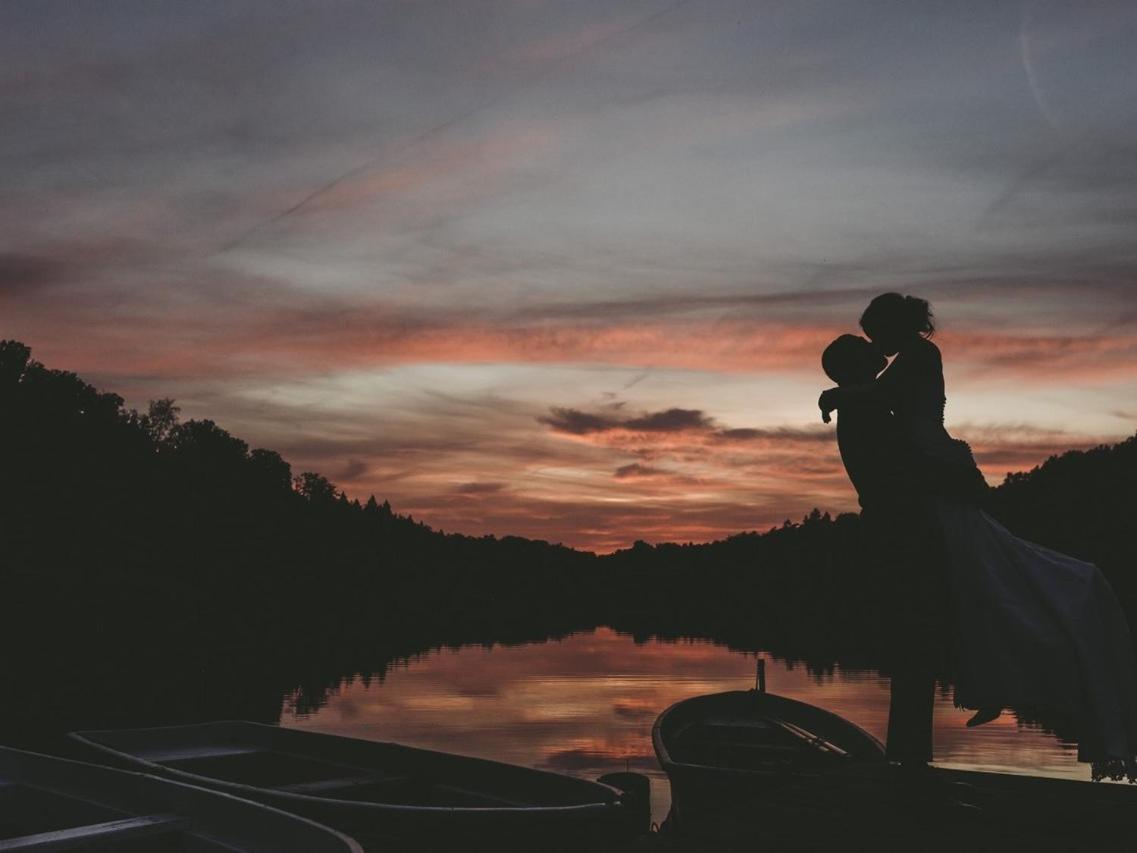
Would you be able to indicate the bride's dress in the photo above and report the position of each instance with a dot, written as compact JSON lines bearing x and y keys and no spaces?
{"x":1033,"y":628}
{"x":1038,"y":629}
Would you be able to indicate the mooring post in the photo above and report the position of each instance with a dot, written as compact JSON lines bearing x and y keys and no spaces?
{"x":760,"y":681}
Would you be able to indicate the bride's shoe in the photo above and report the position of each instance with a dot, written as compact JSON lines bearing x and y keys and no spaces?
{"x":984,"y":715}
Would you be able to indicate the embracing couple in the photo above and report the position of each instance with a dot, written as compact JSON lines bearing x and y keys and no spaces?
{"x":1020,"y":625}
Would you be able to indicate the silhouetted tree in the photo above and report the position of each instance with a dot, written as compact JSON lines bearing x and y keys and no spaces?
{"x":271,"y":470}
{"x":161,"y":419}
{"x":316,"y":488}
{"x":13,"y":362}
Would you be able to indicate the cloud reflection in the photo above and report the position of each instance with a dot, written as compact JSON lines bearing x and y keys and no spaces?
{"x":585,"y":705}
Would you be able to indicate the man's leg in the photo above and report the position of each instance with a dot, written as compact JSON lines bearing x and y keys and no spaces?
{"x":913,"y":696}
{"x":917,"y":628}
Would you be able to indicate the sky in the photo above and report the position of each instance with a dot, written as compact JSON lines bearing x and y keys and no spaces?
{"x":563,"y":268}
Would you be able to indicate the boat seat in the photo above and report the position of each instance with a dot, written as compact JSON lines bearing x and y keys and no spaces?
{"x":78,"y":837}
{"x":737,"y":723}
{"x":323,"y":786}
{"x":772,"y":748}
{"x":814,"y":740}
{"x":213,"y":750}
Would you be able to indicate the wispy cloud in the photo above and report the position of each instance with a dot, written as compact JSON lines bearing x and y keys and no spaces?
{"x":584,"y":423}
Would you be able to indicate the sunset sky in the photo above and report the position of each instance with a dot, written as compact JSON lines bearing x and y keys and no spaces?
{"x":564,"y":268}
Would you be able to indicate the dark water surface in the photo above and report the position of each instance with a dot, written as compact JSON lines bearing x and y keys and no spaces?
{"x":584,"y":705}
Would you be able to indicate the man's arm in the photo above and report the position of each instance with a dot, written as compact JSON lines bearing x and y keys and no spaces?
{"x":833,"y":399}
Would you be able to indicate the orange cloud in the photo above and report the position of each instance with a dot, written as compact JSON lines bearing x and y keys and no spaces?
{"x":232,"y":325}
{"x":376,"y":338}
{"x":1090,"y":356}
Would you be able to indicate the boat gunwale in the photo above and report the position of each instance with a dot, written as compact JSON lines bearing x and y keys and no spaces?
{"x":599,"y":808}
{"x":666,"y":760}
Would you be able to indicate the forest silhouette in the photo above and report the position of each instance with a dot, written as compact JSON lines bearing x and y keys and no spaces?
{"x":159,"y":571}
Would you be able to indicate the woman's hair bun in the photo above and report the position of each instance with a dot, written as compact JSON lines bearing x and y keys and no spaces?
{"x":919,"y":313}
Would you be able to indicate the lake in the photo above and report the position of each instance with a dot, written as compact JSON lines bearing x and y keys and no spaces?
{"x":584,"y":705}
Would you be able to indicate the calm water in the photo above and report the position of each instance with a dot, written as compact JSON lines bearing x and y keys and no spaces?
{"x":584,"y":706}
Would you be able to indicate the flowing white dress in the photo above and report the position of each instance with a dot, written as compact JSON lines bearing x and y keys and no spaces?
{"x":1036,"y":629}
{"x":1033,"y":628}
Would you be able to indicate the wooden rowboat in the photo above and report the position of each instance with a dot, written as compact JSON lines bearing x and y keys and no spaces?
{"x":382,"y":794}
{"x":740,"y":745}
{"x":49,"y":804}
{"x":751,"y":767}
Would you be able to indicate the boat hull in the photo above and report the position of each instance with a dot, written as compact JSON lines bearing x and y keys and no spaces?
{"x":70,"y":804}
{"x":380,"y":793}
{"x":728,"y":751}
{"x":858,"y":799}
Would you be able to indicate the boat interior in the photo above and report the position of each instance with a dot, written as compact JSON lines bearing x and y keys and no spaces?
{"x":752,"y":743}
{"x":302,"y":763}
{"x":755,"y":732}
{"x":299,"y":774}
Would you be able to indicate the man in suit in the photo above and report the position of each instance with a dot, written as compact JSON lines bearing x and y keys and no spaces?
{"x":899,"y":546}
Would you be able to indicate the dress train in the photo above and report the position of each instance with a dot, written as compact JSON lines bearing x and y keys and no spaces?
{"x":1041,"y":630}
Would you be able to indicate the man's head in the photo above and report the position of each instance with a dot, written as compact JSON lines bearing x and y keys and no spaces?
{"x":851,"y":360}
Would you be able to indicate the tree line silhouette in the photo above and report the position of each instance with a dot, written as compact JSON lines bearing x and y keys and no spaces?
{"x":140,"y":550}
{"x":157,"y":570}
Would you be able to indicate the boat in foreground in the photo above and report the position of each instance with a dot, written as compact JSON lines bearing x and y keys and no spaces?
{"x":49,"y":804}
{"x":380,"y":793}
{"x":733,"y":747}
{"x":750,"y":766}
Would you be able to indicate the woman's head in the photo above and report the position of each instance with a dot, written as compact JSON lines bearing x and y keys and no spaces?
{"x":891,"y":320}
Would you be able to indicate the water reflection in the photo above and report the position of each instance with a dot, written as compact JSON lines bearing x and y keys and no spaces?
{"x":584,"y":705}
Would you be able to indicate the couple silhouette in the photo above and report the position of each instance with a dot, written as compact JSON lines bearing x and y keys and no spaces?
{"x":1016,"y":624}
